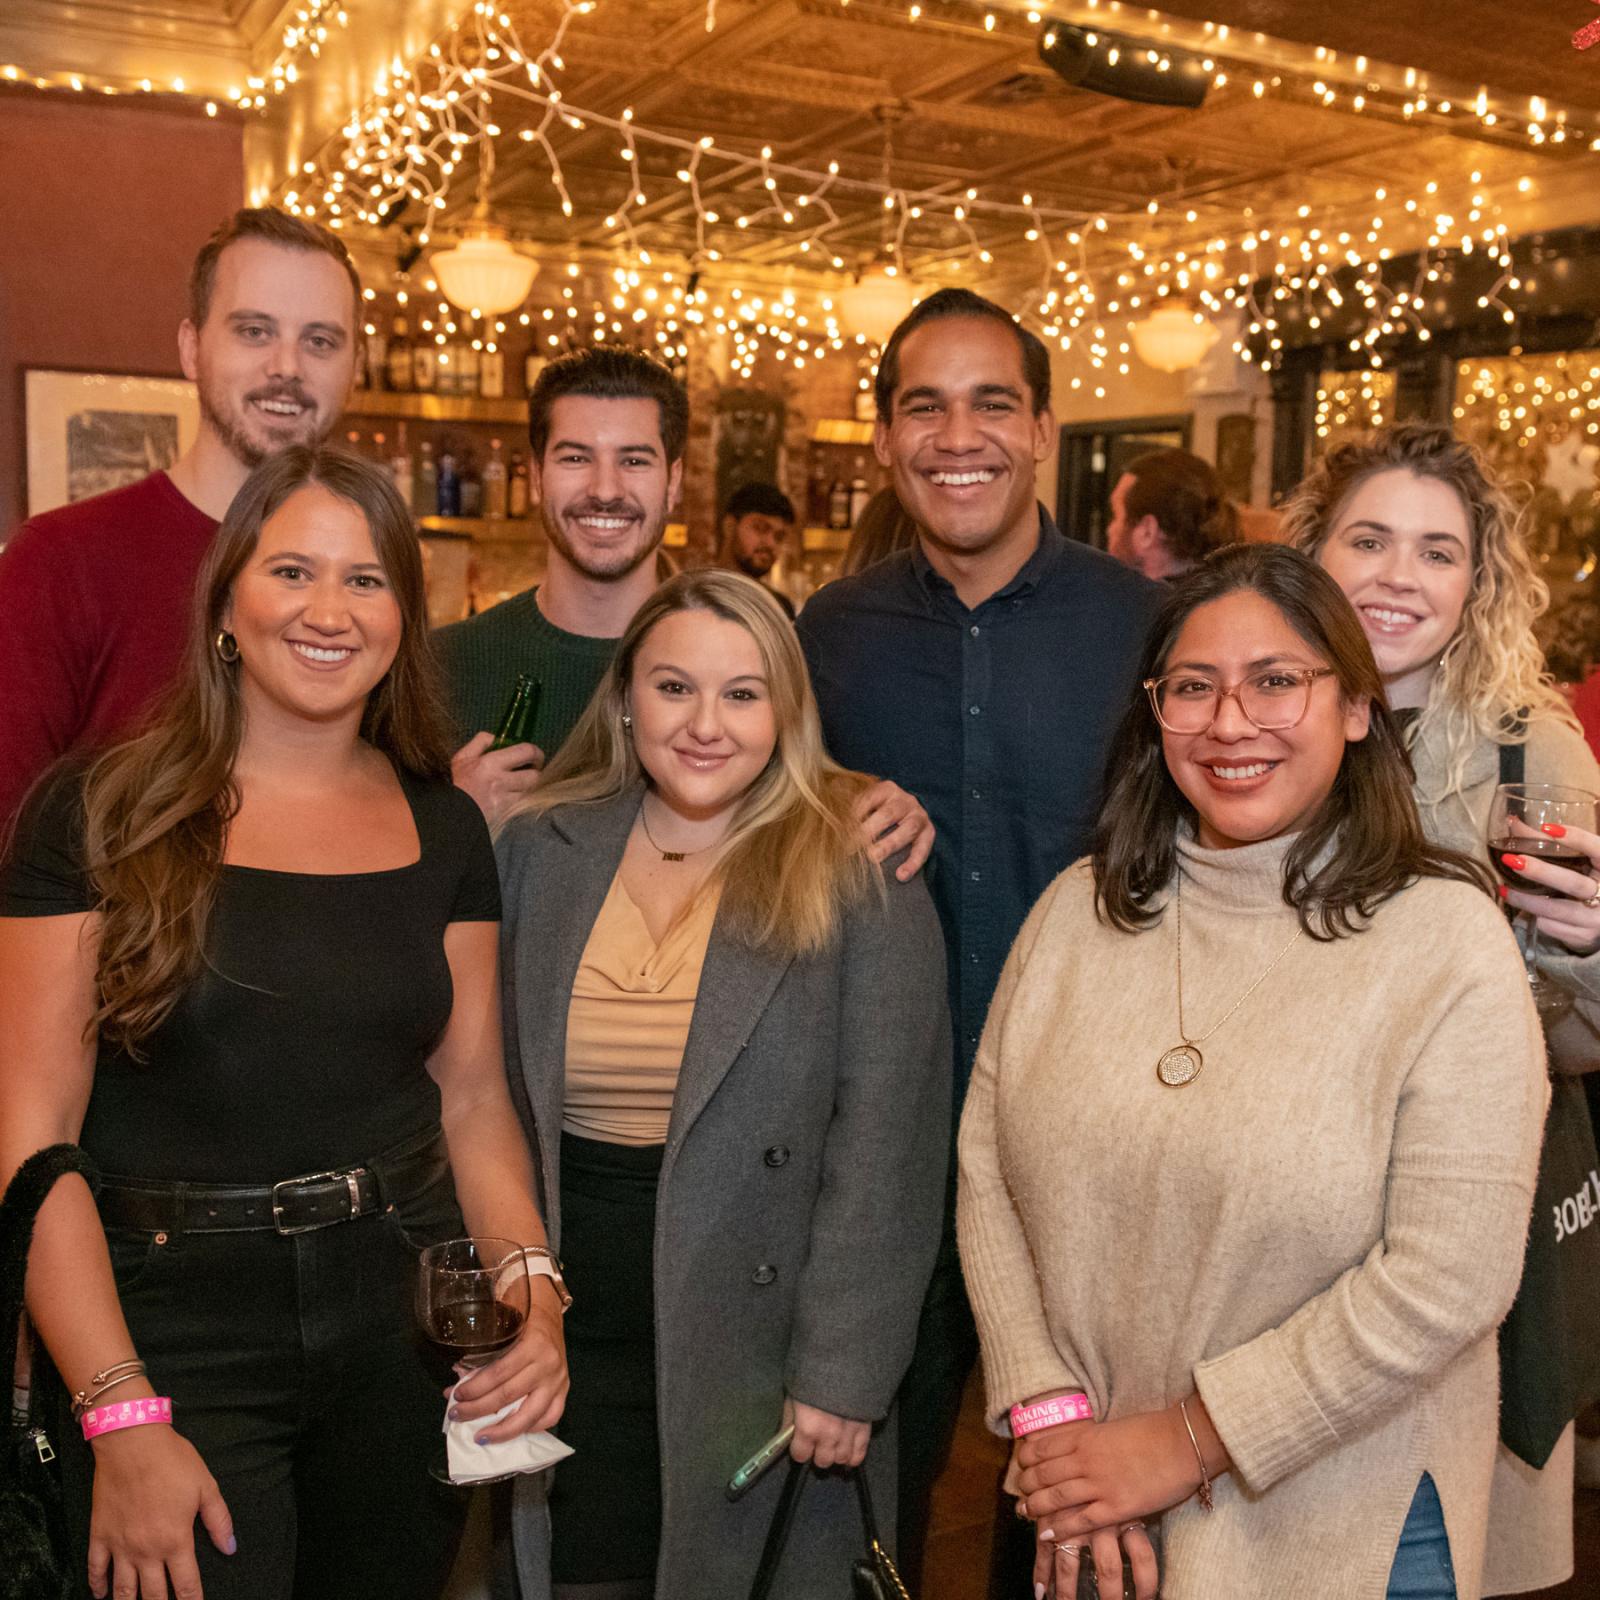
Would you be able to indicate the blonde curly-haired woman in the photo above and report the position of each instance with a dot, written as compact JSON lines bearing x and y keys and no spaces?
{"x":1426,"y":542}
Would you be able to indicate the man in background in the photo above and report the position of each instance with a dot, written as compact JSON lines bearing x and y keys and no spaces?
{"x":95,"y":596}
{"x":757,"y":520}
{"x":1168,"y":513}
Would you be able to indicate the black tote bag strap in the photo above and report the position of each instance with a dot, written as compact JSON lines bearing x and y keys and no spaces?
{"x":879,"y":1577}
{"x":1513,"y":757}
{"x":778,"y":1533}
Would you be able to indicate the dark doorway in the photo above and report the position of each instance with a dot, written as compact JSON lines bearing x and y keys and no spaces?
{"x":1093,"y":457}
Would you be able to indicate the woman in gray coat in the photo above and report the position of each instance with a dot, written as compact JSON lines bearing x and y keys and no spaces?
{"x":727,"y":1033}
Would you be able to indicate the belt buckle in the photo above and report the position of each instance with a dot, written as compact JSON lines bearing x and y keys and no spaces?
{"x":351,"y":1176}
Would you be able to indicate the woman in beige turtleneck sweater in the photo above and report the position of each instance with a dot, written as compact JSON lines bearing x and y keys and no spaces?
{"x":1273,"y":1266}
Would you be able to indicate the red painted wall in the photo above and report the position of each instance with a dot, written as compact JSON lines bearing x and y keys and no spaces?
{"x":102,"y":208}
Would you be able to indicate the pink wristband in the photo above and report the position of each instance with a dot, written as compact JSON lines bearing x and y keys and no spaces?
{"x":129,"y":1414}
{"x":1049,"y":1413}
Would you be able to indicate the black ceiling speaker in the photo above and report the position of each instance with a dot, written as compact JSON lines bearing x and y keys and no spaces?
{"x":1108,"y":64}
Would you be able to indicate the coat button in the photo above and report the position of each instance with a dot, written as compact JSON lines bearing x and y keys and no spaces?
{"x":764,"y":1275}
{"x":776,"y":1155}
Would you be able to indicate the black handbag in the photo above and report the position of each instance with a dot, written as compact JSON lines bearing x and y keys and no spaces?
{"x":1549,"y":1352}
{"x":32,"y":1525}
{"x":872,"y":1574}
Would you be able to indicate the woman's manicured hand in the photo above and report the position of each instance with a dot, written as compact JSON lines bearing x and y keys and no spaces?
{"x":1566,"y":916}
{"x":1057,"y":1563}
{"x":824,"y":1439}
{"x":149,"y":1486}
{"x":533,"y":1370}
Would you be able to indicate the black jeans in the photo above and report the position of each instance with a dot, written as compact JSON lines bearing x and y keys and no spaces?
{"x":296,"y":1369}
{"x":929,"y":1401}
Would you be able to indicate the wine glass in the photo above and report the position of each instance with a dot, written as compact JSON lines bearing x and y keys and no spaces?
{"x":1517,"y":820}
{"x":472,"y":1298}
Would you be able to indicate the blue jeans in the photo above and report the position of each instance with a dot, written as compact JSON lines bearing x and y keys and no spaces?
{"x":1422,"y":1569}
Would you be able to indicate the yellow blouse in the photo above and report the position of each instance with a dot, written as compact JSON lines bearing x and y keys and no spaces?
{"x":628,"y":1021}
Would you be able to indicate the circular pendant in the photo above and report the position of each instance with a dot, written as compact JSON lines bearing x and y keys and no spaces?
{"x":1180,"y":1065}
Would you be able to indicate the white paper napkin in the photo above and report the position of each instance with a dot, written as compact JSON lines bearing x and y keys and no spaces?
{"x":471,"y":1462}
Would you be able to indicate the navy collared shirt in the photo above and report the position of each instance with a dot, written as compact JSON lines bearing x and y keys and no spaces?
{"x":996,"y":718}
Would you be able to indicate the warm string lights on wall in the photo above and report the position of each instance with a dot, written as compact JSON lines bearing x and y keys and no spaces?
{"x":1532,"y":397}
{"x":1353,"y":403}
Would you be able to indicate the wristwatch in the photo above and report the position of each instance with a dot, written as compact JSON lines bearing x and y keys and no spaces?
{"x":541,"y":1259}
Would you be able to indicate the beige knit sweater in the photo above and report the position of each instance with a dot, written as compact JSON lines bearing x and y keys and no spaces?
{"x":1320,"y":1233}
{"x":1530,"y":1513}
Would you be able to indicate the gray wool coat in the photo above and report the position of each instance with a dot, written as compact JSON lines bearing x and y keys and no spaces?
{"x":799,"y":1204}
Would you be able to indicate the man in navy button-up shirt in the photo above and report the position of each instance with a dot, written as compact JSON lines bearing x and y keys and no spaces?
{"x":984,"y":670}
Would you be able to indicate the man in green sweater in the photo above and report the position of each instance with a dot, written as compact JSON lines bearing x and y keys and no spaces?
{"x":607,"y":429}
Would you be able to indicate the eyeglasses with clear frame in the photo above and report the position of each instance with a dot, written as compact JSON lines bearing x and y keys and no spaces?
{"x":1271,"y":700}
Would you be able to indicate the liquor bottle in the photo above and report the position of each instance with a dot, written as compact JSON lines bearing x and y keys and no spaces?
{"x":839,"y":504}
{"x":398,"y":370}
{"x":817,"y":496}
{"x":377,"y":356}
{"x":425,"y":489}
{"x":494,"y":481}
{"x":448,"y":382}
{"x":468,"y":361}
{"x":471,"y":487}
{"x":425,"y":366}
{"x":532,"y":365}
{"x":400,"y":466}
{"x":517,"y":489}
{"x":448,"y":500}
{"x":492,"y":372}
{"x":860,"y":490}
{"x":516,"y":722}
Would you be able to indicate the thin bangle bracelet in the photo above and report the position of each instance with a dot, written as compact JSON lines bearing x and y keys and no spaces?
{"x":1205,"y":1477}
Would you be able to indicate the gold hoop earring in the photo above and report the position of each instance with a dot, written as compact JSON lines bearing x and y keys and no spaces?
{"x":227,"y":647}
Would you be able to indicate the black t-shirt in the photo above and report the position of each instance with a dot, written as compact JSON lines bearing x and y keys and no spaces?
{"x":303,"y":1044}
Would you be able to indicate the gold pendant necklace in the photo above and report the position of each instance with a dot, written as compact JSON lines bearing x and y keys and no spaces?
{"x":1182,"y":1063}
{"x":667,"y":855}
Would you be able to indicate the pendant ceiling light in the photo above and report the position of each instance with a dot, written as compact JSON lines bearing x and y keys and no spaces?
{"x":882,"y":295}
{"x":485,"y":273}
{"x":1173,"y":339}
{"x":878,"y":301}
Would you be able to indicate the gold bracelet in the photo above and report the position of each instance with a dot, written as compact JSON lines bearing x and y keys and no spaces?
{"x":1205,"y":1477}
{"x":106,"y":1379}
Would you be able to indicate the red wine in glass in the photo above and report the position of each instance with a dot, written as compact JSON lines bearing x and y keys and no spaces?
{"x":472,"y":1298}
{"x":476,"y":1326}
{"x":1520,"y":819}
{"x":1553,"y":852}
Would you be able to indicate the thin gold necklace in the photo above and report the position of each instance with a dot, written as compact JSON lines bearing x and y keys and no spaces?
{"x":670,"y":855}
{"x":1182,"y":1063}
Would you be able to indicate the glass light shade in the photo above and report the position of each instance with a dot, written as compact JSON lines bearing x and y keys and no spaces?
{"x":1172,"y":339}
{"x":876,"y":303}
{"x":485,"y":272}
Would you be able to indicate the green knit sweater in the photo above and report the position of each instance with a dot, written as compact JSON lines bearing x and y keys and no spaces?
{"x":483,"y":655}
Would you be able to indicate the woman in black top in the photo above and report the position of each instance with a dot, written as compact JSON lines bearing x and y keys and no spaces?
{"x":248,"y":961}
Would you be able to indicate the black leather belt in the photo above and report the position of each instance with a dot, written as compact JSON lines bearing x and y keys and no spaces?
{"x":293,"y":1205}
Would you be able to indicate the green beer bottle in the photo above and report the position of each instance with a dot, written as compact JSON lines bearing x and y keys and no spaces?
{"x":516,"y":724}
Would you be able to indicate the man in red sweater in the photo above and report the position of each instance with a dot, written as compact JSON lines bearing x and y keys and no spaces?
{"x":94,"y":597}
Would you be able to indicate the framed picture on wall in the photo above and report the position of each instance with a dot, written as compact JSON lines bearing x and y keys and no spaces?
{"x":88,"y":432}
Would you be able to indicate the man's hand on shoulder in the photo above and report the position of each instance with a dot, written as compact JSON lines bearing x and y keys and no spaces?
{"x":892,"y":820}
{"x":496,"y":779}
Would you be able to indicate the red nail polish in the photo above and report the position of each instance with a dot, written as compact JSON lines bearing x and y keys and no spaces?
{"x":1516,"y":863}
{"x":1555,"y":830}
{"x":1501,"y":890}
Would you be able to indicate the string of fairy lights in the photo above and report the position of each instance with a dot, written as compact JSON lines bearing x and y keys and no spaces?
{"x":657,"y":268}
{"x":407,"y":144}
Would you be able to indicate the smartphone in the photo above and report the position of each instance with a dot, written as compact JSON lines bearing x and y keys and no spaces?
{"x":771,"y":1452}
